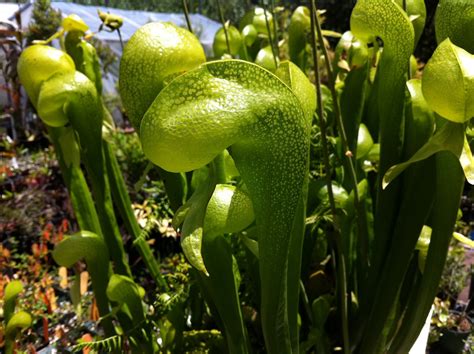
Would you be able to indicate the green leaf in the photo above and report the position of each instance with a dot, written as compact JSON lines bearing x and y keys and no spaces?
{"x":265,"y":59}
{"x":125,"y":291}
{"x":298,"y":31}
{"x":229,"y":210}
{"x":449,"y":186}
{"x":464,"y":240}
{"x":257,"y":18}
{"x":448,"y":82}
{"x":12,"y":290}
{"x":111,"y":344}
{"x":122,"y":202}
{"x":154,"y":52}
{"x":340,"y":194}
{"x":364,"y":142}
{"x":252,"y":245}
{"x":85,"y":57}
{"x":38,"y":63}
{"x":289,"y":73}
{"x":220,"y":42}
{"x":422,"y":246}
{"x":467,"y":161}
{"x":222,"y":285}
{"x":72,"y":97}
{"x":250,"y":34}
{"x":449,"y":138}
{"x":69,"y":147}
{"x":74,"y":23}
{"x":416,"y":11}
{"x":372,"y":19}
{"x":419,"y":120}
{"x":455,"y":20}
{"x":192,"y":215}
{"x":320,"y":309}
{"x":90,"y":247}
{"x":17,"y":322}
{"x":239,"y":105}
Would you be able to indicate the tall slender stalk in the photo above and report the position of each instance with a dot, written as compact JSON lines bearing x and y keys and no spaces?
{"x":224,"y":26}
{"x":123,"y":204}
{"x":267,"y":23}
{"x":350,"y":160}
{"x":275,"y":27}
{"x":186,"y":15}
{"x":341,"y":269}
{"x":337,"y":112}
{"x":120,"y":38}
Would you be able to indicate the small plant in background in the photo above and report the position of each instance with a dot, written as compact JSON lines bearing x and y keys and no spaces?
{"x":45,"y":21}
{"x":451,"y":323}
{"x":11,"y":46}
{"x":455,"y":273}
{"x":13,"y":321}
{"x":451,"y":330}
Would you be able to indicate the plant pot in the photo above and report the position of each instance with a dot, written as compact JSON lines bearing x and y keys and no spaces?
{"x":452,"y":341}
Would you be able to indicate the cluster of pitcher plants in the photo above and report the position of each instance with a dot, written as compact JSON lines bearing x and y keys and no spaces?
{"x":343,"y":196}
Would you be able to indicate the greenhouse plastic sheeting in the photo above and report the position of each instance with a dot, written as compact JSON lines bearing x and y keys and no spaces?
{"x":203,"y":27}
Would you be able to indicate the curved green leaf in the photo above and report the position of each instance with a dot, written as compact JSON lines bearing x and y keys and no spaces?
{"x":385,"y":19}
{"x":449,"y":138}
{"x":90,"y":247}
{"x":12,"y":290}
{"x":372,"y":19}
{"x":192,"y":215}
{"x":464,"y":240}
{"x":74,"y":23}
{"x":63,"y":95}
{"x":250,"y":34}
{"x":128,"y":295}
{"x":448,"y":82}
{"x":256,"y":17}
{"x":229,"y":210}
{"x":125,"y":291}
{"x":298,"y":31}
{"x":85,"y":57}
{"x":239,"y":105}
{"x":220,"y":43}
{"x":155,"y":52}
{"x":123,"y":204}
{"x":289,"y":73}
{"x":68,"y":155}
{"x":38,"y":63}
{"x":17,"y":322}
{"x":320,"y":309}
{"x":73,"y":98}
{"x":265,"y":59}
{"x":222,"y":285}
